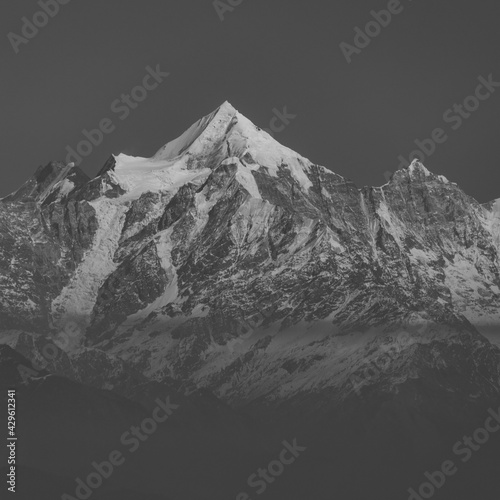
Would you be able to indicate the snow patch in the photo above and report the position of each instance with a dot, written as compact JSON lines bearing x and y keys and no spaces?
{"x":138,"y":175}
{"x":245,"y":177}
{"x":76,"y":301}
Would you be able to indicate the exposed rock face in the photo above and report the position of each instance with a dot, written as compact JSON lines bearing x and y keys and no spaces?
{"x":230,"y":263}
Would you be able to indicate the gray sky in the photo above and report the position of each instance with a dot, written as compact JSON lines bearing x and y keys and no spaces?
{"x":355,"y":118}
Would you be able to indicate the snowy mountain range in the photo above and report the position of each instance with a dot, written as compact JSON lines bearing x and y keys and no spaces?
{"x":232,"y":270}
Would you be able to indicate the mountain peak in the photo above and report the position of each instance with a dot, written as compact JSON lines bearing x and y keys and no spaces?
{"x":221,"y":136}
{"x":226,"y":106}
{"x":417,"y":171}
{"x":210,"y":125}
{"x":417,"y":166}
{"x":55,"y":177}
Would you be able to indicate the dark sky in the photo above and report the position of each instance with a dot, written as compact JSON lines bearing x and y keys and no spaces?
{"x":355,"y":119}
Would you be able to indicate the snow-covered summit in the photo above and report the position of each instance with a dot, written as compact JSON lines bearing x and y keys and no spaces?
{"x":202,"y":133}
{"x":417,"y":166}
{"x":418,"y":171}
{"x":221,"y":135}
